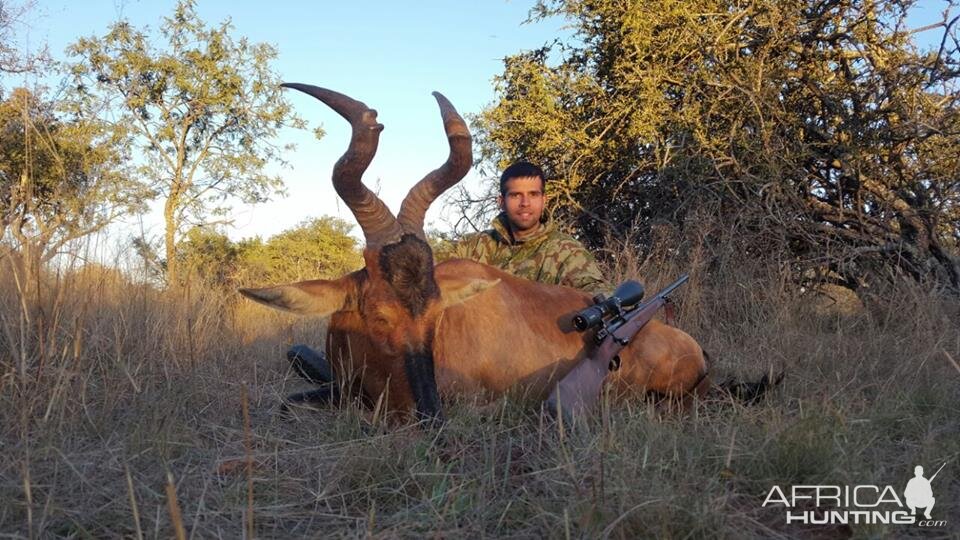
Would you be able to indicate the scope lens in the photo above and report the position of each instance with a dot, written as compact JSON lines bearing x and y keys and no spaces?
{"x":588,"y":318}
{"x":580,"y":323}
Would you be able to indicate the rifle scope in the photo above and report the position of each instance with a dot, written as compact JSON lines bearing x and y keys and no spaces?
{"x":627,"y":294}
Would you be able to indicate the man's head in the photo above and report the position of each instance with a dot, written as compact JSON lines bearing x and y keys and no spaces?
{"x":522,"y":198}
{"x":918,"y":471}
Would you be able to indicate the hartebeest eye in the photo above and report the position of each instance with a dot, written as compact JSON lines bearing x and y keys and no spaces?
{"x":381,"y":318}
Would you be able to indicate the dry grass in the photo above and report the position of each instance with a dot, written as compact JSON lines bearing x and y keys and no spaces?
{"x":131,"y":388}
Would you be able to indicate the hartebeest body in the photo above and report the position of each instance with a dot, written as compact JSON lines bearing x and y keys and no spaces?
{"x":409,"y":330}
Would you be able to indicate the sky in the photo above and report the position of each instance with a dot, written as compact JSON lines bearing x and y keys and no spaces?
{"x":389,"y":54}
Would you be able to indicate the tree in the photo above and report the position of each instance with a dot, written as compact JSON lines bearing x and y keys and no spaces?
{"x":817,"y":131}
{"x":210,"y":256}
{"x":7,"y":53}
{"x":316,"y":248}
{"x":204,"y":109}
{"x":62,"y":178}
{"x":12,"y":60}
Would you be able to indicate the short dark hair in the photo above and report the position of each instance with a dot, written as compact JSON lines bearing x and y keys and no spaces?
{"x":521,"y":169}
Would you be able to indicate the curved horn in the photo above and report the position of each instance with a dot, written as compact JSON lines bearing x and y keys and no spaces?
{"x":458,"y":163}
{"x":376,"y":221}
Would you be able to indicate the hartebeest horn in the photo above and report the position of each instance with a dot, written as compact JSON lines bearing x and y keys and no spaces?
{"x":376,"y":221}
{"x":415,"y":204}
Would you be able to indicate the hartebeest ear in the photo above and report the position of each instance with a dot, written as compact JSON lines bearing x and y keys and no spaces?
{"x":458,"y":291}
{"x":319,"y":297}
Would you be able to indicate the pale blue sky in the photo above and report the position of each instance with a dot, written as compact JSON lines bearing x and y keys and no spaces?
{"x":390,"y":55}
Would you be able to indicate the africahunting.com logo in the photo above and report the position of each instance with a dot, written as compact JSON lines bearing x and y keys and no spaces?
{"x":867,"y":504}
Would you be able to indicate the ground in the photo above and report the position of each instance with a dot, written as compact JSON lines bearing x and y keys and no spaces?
{"x":131,"y":385}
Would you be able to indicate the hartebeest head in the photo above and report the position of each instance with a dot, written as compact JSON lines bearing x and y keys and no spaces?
{"x":395,"y":295}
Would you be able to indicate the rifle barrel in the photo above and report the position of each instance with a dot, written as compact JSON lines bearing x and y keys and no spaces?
{"x":671,"y":287}
{"x":938,"y":472}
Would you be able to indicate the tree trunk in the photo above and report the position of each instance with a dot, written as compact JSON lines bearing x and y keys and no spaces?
{"x":25,"y":264}
{"x":170,"y":243}
{"x":25,"y":268}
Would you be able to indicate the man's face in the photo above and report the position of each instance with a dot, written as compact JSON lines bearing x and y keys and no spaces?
{"x":523,"y":202}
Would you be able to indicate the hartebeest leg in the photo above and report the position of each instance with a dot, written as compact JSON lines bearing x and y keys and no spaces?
{"x":325,"y":395}
{"x":750,"y":393}
{"x":310,"y":364}
{"x":699,"y":392}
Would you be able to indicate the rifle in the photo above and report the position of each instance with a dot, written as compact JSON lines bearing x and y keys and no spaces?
{"x":938,"y":472}
{"x":615,"y":320}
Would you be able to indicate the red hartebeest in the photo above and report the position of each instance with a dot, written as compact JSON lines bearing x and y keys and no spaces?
{"x":417,"y":330}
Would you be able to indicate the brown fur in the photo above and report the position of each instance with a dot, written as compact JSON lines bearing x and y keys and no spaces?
{"x":512,"y":337}
{"x":405,"y":267}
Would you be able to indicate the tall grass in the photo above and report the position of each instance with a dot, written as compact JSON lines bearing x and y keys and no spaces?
{"x":122,"y":390}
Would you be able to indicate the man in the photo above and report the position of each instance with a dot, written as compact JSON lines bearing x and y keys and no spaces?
{"x":521,"y":243}
{"x":918,"y":492}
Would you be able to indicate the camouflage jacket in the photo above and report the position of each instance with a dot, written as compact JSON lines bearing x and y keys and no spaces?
{"x":549,"y":256}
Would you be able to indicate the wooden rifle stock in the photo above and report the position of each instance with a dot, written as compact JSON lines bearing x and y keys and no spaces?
{"x":579,"y":389}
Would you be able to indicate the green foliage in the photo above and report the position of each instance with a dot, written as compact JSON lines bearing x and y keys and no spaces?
{"x":209,"y":256}
{"x":316,"y":248}
{"x":442,"y":244}
{"x":62,"y":177}
{"x":203,"y":107}
{"x":813,"y":132}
